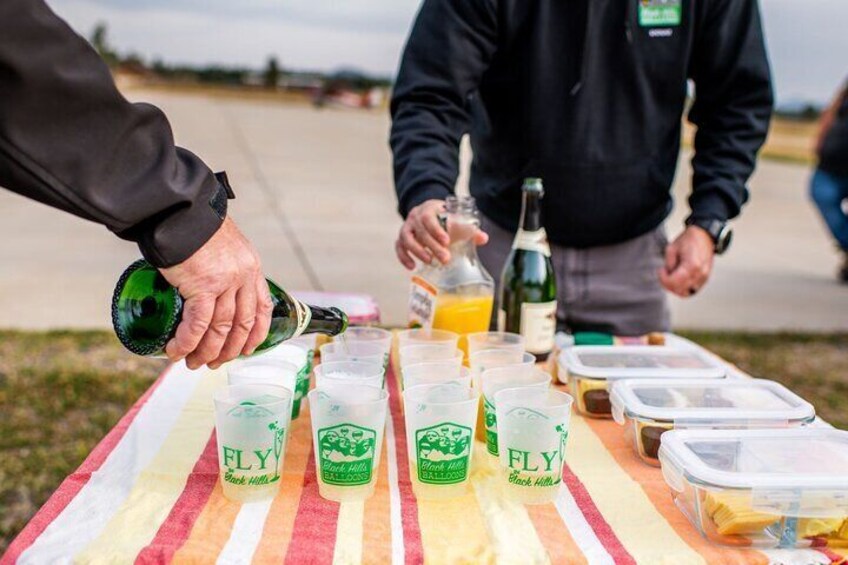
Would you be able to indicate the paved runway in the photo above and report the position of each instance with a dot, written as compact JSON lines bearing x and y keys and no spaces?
{"x":315,"y":195}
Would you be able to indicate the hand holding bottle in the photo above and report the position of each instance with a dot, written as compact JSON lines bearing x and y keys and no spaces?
{"x":227,"y":309}
{"x":424,"y":238}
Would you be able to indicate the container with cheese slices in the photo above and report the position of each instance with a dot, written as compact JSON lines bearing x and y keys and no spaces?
{"x":590,"y":370}
{"x":770,"y":488}
{"x":650,"y":407}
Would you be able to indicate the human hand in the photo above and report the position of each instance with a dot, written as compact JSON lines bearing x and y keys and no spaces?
{"x":227,"y":309}
{"x":422,"y":236}
{"x":688,"y":262}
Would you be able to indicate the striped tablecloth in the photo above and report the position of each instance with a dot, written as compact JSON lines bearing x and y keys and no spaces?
{"x":149,"y":493}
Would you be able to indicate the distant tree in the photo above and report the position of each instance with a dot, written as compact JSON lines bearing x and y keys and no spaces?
{"x":271,"y":76}
{"x":100,"y":42}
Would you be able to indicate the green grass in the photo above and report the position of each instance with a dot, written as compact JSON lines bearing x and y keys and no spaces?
{"x":815,"y":366}
{"x":60,"y":392}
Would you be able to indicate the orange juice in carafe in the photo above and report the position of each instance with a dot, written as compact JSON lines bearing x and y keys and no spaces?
{"x":459,"y":295}
{"x":463,"y":315}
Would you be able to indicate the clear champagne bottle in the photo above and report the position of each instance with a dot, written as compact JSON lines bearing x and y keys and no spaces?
{"x":146,"y":311}
{"x":528,"y":291}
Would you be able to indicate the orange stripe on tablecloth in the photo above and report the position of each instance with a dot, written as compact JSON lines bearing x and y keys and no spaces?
{"x":211,"y":530}
{"x":556,"y":538}
{"x":279,"y":526}
{"x":74,"y":483}
{"x":377,"y":534}
{"x":175,"y":529}
{"x":652,"y":482}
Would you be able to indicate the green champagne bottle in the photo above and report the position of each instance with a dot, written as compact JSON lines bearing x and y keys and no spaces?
{"x":146,"y":311}
{"x":528,"y":291}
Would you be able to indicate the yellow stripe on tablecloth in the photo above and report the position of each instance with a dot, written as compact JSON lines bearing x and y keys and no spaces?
{"x":161,"y":483}
{"x":453,"y":530}
{"x":349,"y":529}
{"x":510,"y":528}
{"x":643,"y":531}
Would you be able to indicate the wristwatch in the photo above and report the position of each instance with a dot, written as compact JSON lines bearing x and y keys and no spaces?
{"x":720,"y":231}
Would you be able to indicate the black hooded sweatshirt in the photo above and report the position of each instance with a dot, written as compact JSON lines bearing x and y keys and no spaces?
{"x":588,"y":95}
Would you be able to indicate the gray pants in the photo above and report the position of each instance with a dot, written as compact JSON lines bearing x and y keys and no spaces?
{"x":612,"y":288}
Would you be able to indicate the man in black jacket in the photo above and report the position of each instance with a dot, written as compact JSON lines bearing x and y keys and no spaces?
{"x":588,"y":95}
{"x":70,"y":140}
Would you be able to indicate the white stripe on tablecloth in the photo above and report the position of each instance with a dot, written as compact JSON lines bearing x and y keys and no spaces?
{"x":582,"y":533}
{"x":394,"y":495}
{"x":246,"y":533}
{"x":86,"y":515}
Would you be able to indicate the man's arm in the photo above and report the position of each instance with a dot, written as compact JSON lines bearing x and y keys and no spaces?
{"x":450,"y":46}
{"x":69,"y":139}
{"x":732,"y":109}
{"x":733,"y":105}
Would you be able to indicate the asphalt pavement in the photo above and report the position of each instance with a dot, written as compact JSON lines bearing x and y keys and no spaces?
{"x":314,"y":193}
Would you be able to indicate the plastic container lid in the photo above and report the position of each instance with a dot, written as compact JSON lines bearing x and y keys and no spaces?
{"x":795,"y":471}
{"x":639,"y":361}
{"x":727,"y":402}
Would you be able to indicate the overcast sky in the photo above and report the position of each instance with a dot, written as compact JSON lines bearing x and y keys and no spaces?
{"x":808,"y":39}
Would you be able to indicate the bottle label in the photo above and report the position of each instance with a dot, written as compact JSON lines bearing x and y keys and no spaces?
{"x":304,"y":316}
{"x":538,"y":326}
{"x":532,"y":241}
{"x":422,"y":303}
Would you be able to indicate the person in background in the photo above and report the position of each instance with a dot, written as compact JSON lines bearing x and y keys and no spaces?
{"x":70,"y":140}
{"x":829,"y":186}
{"x":588,"y":96}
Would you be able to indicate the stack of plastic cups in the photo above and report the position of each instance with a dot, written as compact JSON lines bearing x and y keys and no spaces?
{"x":297,"y":355}
{"x":493,"y":381}
{"x":532,"y":427}
{"x":487,"y":350}
{"x":368,"y":335}
{"x":440,"y":437}
{"x":252,"y":423}
{"x":348,"y":422}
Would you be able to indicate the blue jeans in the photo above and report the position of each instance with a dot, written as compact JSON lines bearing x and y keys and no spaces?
{"x":829,"y":192}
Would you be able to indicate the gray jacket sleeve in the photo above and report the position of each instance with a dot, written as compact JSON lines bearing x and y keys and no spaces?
{"x":70,"y":140}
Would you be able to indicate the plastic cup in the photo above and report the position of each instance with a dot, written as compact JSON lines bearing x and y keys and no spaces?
{"x":423,"y":336}
{"x":362,"y":334}
{"x":490,"y":359}
{"x":414,"y":354}
{"x":494,"y":380}
{"x":299,"y":355}
{"x":494,"y":340}
{"x":352,"y":351}
{"x":252,"y":425}
{"x":258,"y":371}
{"x":347,"y":433}
{"x":349,"y":372}
{"x":436,"y":373}
{"x":532,"y":432}
{"x":440,"y":436}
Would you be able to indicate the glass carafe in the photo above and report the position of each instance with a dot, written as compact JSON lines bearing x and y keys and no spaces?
{"x":459,"y":295}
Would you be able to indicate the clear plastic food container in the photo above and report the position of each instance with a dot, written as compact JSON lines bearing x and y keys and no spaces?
{"x":589,"y":369}
{"x":650,"y":407}
{"x":785,"y":488}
